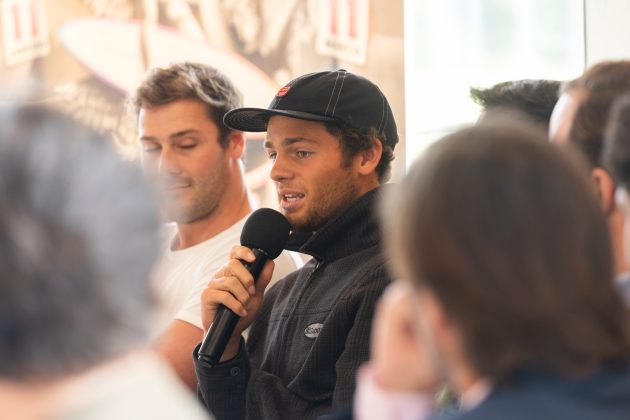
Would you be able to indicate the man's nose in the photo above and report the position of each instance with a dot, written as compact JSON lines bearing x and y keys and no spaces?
{"x":281,"y":169}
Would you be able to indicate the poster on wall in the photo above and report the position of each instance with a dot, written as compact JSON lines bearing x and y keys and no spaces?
{"x":25,"y":30}
{"x":88,"y":55}
{"x":342,"y":30}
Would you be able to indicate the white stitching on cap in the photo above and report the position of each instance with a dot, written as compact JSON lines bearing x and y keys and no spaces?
{"x":331,"y":94}
{"x":339,"y":94}
{"x":383,"y":113}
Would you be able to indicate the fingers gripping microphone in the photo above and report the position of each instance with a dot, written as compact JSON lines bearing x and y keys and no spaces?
{"x":266,"y":232}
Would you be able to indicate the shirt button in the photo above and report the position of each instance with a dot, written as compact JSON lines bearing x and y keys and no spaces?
{"x":235,"y":371}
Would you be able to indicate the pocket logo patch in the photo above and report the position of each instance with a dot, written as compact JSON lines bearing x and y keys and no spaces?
{"x":313,"y":330}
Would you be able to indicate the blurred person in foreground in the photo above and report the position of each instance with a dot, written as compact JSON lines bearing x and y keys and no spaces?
{"x":579,"y":121}
{"x":506,"y":289}
{"x":617,"y":159}
{"x":79,"y":237}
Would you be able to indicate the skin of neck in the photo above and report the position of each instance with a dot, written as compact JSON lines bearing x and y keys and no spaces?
{"x":234,"y":205}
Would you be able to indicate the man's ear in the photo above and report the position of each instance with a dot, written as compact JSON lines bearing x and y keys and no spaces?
{"x":236,"y":144}
{"x":370,"y":158}
{"x":605,"y":189}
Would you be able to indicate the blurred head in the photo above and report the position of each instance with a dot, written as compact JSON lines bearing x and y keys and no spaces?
{"x":589,"y":124}
{"x":534,"y":98}
{"x":580,"y":120}
{"x":503,"y":232}
{"x":184,"y":142}
{"x":78,"y":239}
{"x":617,"y":144}
{"x":617,"y":159}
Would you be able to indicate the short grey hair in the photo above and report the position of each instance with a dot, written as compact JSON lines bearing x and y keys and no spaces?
{"x":79,"y":236}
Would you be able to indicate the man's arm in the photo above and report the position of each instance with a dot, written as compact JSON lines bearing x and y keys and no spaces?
{"x":222,"y":388}
{"x":177,"y":342}
{"x":176,"y":345}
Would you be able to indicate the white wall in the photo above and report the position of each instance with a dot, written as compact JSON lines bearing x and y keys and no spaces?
{"x":607,"y":30}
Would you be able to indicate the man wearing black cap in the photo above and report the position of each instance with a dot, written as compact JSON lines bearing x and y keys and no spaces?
{"x":330,"y":138}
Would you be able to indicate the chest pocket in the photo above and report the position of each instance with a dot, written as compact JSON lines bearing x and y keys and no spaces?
{"x":298,"y":323}
{"x":315,"y":349}
{"x":309,"y":326}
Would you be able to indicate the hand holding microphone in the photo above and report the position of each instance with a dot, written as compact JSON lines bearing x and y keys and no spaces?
{"x":233,"y":292}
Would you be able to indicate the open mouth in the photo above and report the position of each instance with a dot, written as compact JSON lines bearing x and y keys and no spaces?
{"x":291,"y":201}
{"x":292,"y":197}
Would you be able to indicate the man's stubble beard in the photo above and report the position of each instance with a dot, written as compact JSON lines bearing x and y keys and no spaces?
{"x":331,"y":202}
{"x":205,"y":201}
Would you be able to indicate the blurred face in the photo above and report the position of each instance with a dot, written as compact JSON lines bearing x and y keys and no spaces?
{"x":623,"y":204}
{"x":563,"y":115}
{"x":180,"y":148}
{"x":313,"y":181}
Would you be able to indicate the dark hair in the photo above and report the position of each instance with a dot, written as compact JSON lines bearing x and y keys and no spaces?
{"x":607,"y":75}
{"x":589,"y":123}
{"x":353,"y":141}
{"x":600,"y":85}
{"x":617,"y":142}
{"x":535,"y":98}
{"x":506,"y":231}
{"x":79,"y":235}
{"x":189,"y":81}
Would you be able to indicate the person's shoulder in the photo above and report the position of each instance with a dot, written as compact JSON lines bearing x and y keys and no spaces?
{"x":229,"y":236}
{"x":146,"y":388}
{"x":218,"y":247}
{"x":601,"y":395}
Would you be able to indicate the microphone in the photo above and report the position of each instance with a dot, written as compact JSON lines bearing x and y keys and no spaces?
{"x":266,"y":232}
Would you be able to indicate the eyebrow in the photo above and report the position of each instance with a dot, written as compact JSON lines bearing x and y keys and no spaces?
{"x":289,"y":141}
{"x":174,"y":136}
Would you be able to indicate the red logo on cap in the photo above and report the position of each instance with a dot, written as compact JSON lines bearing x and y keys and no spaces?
{"x":283,"y":91}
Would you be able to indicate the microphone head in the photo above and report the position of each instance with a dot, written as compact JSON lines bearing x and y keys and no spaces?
{"x":266,"y":229}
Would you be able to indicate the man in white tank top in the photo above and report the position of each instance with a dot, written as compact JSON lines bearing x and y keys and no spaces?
{"x":197,"y":163}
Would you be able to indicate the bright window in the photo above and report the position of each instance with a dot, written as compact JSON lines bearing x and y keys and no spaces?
{"x":451,"y":45}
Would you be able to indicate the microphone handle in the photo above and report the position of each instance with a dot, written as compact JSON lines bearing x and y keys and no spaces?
{"x":225,"y":320}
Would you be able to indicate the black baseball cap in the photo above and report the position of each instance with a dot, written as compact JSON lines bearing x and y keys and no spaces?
{"x":327,"y":96}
